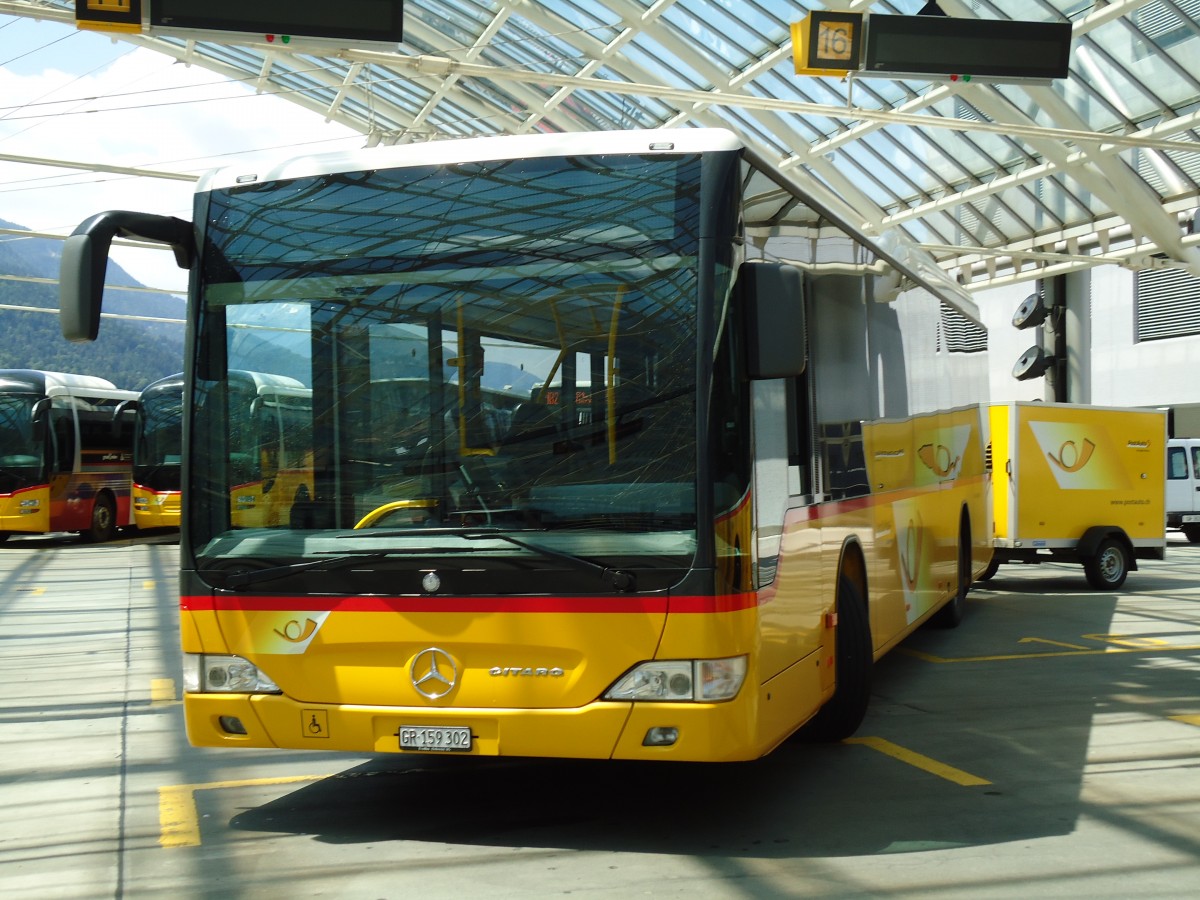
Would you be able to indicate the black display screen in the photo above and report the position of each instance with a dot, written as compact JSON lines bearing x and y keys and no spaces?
{"x":988,"y":48}
{"x":357,"y":20}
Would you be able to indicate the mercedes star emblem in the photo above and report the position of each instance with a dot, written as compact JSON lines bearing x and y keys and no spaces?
{"x":434,"y":673}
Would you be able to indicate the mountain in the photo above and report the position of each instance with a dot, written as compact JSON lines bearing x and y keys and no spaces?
{"x":130,"y":354}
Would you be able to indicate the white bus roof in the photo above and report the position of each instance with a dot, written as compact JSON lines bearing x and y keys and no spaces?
{"x":66,"y":380}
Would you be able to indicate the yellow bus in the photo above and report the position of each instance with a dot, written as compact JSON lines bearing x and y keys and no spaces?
{"x":66,"y":454}
{"x":158,"y":454}
{"x":642,"y":487}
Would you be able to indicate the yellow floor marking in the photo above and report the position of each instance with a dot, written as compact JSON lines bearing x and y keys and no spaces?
{"x":31,"y":590}
{"x":162,"y":690}
{"x":148,"y":585}
{"x":1186,"y":720}
{"x":925,"y":763}
{"x":178,"y":821}
{"x":1036,"y":640}
{"x":1128,"y":640}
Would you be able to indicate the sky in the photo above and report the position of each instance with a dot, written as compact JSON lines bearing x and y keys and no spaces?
{"x":67,"y":94}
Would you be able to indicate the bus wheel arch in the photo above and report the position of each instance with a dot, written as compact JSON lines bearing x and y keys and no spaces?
{"x":854,"y":651}
{"x":103,"y":525}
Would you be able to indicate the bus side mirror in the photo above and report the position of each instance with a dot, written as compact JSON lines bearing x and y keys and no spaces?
{"x":773,"y":300}
{"x":85,"y":262}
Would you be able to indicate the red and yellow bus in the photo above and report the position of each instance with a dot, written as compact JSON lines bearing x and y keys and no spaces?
{"x":66,"y":454}
{"x":748,"y":478}
{"x":158,"y":454}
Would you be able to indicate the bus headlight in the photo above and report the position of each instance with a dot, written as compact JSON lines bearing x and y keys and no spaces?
{"x":205,"y":673}
{"x":699,"y":680}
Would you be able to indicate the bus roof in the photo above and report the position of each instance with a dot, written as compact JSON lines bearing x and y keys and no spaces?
{"x":261,"y":380}
{"x":523,"y":146}
{"x":35,"y":381}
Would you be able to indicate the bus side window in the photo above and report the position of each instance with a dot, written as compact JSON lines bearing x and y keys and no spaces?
{"x":63,"y":422}
{"x":800,"y":443}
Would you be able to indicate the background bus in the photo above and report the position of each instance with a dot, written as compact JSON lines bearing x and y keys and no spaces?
{"x":270,"y":425}
{"x":158,"y":454}
{"x":66,"y":454}
{"x":750,"y":479}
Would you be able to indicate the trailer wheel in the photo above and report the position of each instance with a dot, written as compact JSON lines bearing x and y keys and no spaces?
{"x":1192,"y":533}
{"x":104,"y":520}
{"x":843,"y":713}
{"x":1107,"y":569}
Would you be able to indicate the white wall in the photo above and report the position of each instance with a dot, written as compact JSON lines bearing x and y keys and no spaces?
{"x":1114,"y":370}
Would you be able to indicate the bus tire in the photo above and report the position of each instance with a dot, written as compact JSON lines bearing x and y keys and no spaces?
{"x":951,"y":615}
{"x":1107,"y":568}
{"x":3,"y":536}
{"x":1192,"y":533}
{"x":843,"y":713}
{"x":104,"y":520}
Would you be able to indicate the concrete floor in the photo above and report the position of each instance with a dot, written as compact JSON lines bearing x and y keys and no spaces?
{"x":1048,"y":747}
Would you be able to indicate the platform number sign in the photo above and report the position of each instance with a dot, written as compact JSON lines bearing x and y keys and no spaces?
{"x":828,"y":43}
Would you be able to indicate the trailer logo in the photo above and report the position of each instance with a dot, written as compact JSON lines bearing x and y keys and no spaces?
{"x":1072,"y":458}
{"x":1081,"y":457}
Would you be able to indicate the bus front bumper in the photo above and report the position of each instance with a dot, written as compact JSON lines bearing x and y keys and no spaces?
{"x":702,"y":732}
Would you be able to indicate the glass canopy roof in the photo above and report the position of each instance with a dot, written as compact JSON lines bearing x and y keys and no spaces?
{"x":983,"y":183}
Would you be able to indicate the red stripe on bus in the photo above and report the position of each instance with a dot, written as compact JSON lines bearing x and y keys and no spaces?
{"x":625,"y":605}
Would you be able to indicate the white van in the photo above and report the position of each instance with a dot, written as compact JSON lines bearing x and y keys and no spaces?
{"x":1183,"y":486}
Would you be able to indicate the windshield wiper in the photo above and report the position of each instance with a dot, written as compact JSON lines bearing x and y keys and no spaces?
{"x":257,"y":576}
{"x":620,"y":580}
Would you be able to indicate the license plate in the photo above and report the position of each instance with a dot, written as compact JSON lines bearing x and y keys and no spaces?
{"x":1191,"y":518}
{"x":422,"y":737}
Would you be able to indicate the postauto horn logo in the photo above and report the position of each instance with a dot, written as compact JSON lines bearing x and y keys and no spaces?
{"x":1081,"y":457}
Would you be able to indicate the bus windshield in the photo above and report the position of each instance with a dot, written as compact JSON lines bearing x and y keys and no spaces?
{"x":497,"y":362}
{"x":157,"y":453}
{"x":20,"y":451}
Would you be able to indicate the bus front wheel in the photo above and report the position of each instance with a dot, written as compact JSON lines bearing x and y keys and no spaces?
{"x":104,"y":520}
{"x":843,"y":713}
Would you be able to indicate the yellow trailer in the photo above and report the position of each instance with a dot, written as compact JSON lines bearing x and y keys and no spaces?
{"x":1081,"y":484}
